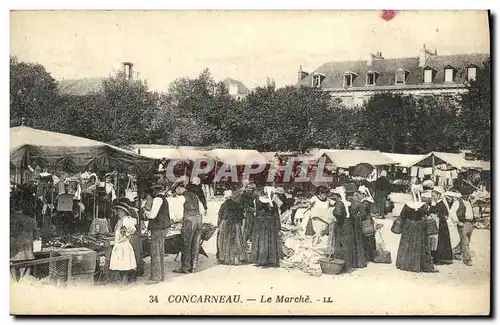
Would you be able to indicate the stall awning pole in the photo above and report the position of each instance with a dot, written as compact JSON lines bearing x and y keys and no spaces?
{"x":433,"y":168}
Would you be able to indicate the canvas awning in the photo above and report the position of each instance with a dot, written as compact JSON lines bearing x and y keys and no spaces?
{"x":453,"y":159}
{"x":404,"y":160}
{"x":69,"y":153}
{"x":351,"y":158}
{"x":238,"y":157}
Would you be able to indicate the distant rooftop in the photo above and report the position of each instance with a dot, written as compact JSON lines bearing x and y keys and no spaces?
{"x":81,"y":87}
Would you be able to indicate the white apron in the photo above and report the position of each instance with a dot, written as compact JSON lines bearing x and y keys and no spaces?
{"x":122,"y":255}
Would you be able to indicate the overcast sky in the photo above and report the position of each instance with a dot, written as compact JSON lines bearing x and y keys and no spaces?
{"x":248,"y":46}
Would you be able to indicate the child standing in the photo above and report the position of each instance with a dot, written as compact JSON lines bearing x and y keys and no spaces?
{"x":123,"y":257}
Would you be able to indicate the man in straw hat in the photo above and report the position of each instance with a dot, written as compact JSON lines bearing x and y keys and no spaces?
{"x":462,"y":215}
{"x":159,"y":222}
{"x":191,"y":228}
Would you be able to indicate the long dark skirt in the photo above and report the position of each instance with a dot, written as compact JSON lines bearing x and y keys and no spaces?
{"x":248,"y":225}
{"x":444,"y":251}
{"x":230,"y":243}
{"x":343,"y":237}
{"x":370,"y":247}
{"x":380,"y":198}
{"x":413,"y":253}
{"x":359,"y":251}
{"x":265,"y":241}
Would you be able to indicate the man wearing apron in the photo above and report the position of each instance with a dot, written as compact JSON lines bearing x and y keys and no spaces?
{"x":191,"y":228}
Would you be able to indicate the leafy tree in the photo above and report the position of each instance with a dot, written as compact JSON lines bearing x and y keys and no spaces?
{"x":387,"y":121}
{"x":434,"y":127}
{"x":474,"y":126}
{"x":33,"y":96}
{"x":128,"y":111}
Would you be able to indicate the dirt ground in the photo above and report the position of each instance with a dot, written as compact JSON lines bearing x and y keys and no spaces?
{"x":376,"y":289}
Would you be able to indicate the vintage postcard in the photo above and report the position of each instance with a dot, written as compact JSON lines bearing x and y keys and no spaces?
{"x":250,"y":163}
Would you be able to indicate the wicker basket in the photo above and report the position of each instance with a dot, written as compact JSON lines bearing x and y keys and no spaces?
{"x":397,"y":226}
{"x":367,"y":227}
{"x":432,"y":228}
{"x":331,"y":266}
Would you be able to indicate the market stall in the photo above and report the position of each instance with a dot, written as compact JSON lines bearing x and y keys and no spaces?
{"x":67,"y":183}
{"x":402,"y":171}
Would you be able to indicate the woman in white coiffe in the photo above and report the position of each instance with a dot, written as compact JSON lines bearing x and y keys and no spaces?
{"x":122,"y":256}
{"x":321,"y":217}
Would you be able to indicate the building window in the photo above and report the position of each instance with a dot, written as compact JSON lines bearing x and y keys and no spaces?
{"x":428,"y":75}
{"x":316,"y":80}
{"x":400,"y":77}
{"x":449,"y":74}
{"x":349,"y":79}
{"x":371,"y":78}
{"x":471,"y":73}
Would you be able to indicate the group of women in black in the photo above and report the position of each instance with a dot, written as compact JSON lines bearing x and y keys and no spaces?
{"x":352,"y":232}
{"x":425,"y":236}
{"x":249,"y":216}
{"x":246,"y":217}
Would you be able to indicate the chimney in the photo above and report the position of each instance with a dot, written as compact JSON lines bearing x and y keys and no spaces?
{"x":302,"y":74}
{"x":425,"y":53}
{"x":376,"y":56}
{"x":422,"y":57}
{"x":128,"y":71}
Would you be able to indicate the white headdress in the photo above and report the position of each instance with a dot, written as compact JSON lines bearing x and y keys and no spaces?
{"x":340,"y":190}
{"x":363,"y":189}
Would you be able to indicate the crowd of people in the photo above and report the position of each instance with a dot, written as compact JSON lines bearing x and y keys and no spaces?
{"x":252,"y":216}
{"x":250,"y":221}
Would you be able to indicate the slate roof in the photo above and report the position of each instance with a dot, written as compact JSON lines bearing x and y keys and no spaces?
{"x":80,"y":87}
{"x":386,"y":68}
{"x":242,"y":89}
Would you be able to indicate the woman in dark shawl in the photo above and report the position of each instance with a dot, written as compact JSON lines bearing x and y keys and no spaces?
{"x":413,"y":252}
{"x":265,"y":235}
{"x":367,"y":202}
{"x":357,"y":214}
{"x":443,"y":254}
{"x":230,"y":240}
{"x":341,"y":235}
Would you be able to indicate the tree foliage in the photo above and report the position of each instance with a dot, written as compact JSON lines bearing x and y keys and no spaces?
{"x":474,"y":125}
{"x":200,"y":112}
{"x":33,"y":95}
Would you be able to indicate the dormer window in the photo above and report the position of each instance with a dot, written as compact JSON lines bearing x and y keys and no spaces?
{"x":449,"y":74}
{"x":429,"y":74}
{"x":471,"y":73}
{"x":401,"y":76}
{"x":349,"y":77}
{"x":371,"y":78}
{"x":317,"y":79}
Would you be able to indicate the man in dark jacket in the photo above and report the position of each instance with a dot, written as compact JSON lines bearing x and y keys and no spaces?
{"x":196,"y":188}
{"x":382,"y":190}
{"x":191,"y":228}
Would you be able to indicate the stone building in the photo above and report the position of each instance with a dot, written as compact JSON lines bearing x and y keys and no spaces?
{"x":428,"y":74}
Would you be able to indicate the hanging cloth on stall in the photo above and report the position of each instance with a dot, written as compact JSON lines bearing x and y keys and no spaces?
{"x":130,"y":191}
{"x":428,"y":171}
{"x":65,"y":202}
{"x":61,"y":188}
{"x":421,"y":173}
{"x":414,"y":172}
